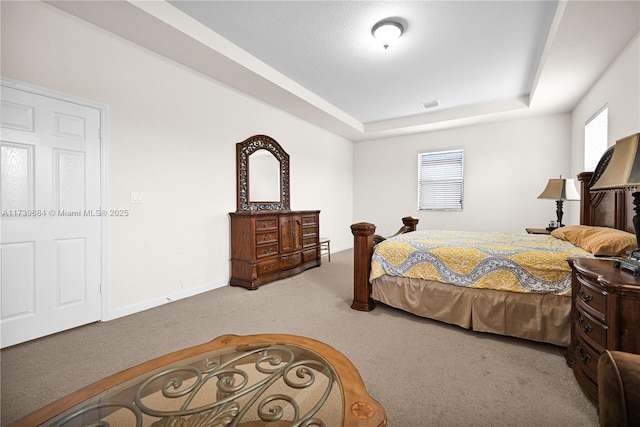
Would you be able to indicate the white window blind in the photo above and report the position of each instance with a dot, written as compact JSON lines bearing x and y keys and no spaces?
{"x":595,"y":138}
{"x":440,"y":180}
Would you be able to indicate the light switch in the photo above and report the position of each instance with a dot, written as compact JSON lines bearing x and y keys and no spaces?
{"x":137,"y":197}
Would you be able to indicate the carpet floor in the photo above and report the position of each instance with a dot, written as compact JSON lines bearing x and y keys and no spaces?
{"x":423,"y":372}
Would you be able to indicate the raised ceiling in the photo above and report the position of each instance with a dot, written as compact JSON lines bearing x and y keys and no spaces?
{"x":481,"y":60}
{"x":456,"y":52}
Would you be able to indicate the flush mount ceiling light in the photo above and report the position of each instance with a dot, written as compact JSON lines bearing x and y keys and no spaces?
{"x":387,"y":31}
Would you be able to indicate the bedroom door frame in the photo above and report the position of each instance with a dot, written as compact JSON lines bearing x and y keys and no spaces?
{"x":104,"y":141}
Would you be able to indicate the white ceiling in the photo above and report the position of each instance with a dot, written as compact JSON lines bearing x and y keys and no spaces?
{"x":457,"y":53}
{"x":482,"y":60}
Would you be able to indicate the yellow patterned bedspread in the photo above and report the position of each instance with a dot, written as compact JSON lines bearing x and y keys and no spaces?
{"x":518,"y":262}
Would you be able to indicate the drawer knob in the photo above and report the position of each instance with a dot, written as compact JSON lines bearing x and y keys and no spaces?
{"x":267,"y":251}
{"x":586,"y":327}
{"x":268,"y":267}
{"x":584,"y":357}
{"x":584,"y":296}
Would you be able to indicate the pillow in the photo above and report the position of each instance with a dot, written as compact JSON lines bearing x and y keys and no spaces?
{"x":601,"y":241}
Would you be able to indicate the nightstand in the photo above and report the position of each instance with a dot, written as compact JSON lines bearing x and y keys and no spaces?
{"x":605,"y":314}
{"x":538,"y":231}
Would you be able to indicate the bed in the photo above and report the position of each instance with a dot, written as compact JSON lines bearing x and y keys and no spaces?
{"x":508,"y":284}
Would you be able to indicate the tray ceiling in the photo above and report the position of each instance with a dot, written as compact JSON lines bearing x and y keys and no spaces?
{"x":480,"y":60}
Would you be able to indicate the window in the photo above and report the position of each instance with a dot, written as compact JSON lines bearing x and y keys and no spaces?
{"x":440,"y":180}
{"x":595,"y":138}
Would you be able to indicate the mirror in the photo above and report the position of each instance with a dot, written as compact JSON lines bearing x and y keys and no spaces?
{"x":262,"y":175}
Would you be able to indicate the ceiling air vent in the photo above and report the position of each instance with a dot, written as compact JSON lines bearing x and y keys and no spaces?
{"x":430,"y":104}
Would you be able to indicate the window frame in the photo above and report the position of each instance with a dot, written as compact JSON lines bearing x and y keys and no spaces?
{"x":593,"y":146}
{"x":452,"y":185}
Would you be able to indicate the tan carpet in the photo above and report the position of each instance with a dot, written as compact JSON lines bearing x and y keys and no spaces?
{"x":423,"y":372}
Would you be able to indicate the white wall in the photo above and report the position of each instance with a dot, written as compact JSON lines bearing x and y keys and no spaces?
{"x":507,"y":165}
{"x":172,"y":135}
{"x":619,"y":88}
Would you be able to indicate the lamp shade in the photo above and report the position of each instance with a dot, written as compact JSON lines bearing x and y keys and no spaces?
{"x":560,"y":189}
{"x":623,"y":170}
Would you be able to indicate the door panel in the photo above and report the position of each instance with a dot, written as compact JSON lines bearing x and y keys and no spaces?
{"x":69,"y":180}
{"x":50,"y":244}
{"x":290,"y":233}
{"x":286,"y":234}
{"x":18,"y":279}
{"x":17,"y":176}
{"x":70,"y":266}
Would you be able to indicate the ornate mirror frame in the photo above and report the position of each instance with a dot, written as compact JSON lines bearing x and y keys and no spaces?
{"x":243,"y":151}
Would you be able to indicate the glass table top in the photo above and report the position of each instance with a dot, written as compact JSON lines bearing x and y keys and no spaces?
{"x":273,"y":380}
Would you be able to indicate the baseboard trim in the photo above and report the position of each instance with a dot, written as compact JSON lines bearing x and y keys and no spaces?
{"x":156,"y":302}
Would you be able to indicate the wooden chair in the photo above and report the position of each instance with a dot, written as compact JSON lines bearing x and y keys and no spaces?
{"x":325,"y":247}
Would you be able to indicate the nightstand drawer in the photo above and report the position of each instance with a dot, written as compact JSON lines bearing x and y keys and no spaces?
{"x":591,"y":296}
{"x":590,"y":329}
{"x":587,"y":359}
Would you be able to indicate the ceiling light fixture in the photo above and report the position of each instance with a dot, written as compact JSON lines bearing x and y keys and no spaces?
{"x":387,"y":31}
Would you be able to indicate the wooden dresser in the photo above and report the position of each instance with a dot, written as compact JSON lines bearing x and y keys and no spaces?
{"x":271,"y":245}
{"x":605,"y":315}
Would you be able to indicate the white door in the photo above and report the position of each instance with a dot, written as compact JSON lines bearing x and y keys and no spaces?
{"x":50,"y":245}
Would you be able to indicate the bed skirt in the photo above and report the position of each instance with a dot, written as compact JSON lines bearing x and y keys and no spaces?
{"x":536,"y":317}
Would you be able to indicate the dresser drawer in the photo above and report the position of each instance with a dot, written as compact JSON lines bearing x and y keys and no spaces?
{"x":309,"y":220}
{"x":309,"y":241}
{"x":268,"y":267}
{"x":310,"y":255}
{"x":266,"y":250}
{"x":591,"y":296}
{"x":287,"y":262}
{"x":267,"y":237}
{"x":587,"y":359}
{"x":311,"y":230}
{"x":269,"y":223}
{"x":590,"y":328}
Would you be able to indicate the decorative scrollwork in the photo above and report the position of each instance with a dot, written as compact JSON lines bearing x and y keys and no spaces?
{"x":216,"y":417}
{"x":244,"y":150}
{"x":223,"y":389}
{"x":602,"y":165}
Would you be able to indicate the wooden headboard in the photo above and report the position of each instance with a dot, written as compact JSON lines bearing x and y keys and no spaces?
{"x":605,"y":209}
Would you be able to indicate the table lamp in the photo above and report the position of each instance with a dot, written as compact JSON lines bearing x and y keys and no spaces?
{"x":560,"y":189}
{"x":623,"y":172}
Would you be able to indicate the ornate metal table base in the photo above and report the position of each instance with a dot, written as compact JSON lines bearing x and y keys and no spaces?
{"x":272,"y":380}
